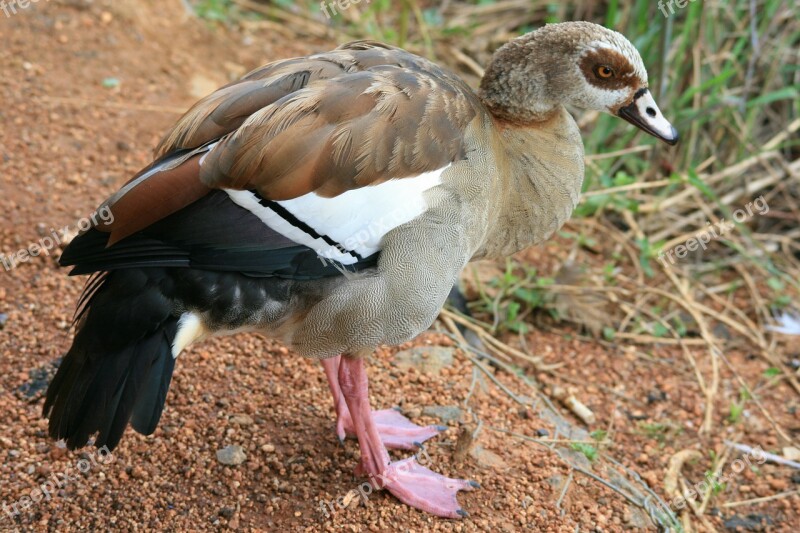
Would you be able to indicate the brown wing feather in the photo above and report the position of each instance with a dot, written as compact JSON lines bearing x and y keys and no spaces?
{"x":154,"y":198}
{"x":359,"y":115}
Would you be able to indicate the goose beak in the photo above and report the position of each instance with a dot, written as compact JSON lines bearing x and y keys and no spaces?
{"x":645,"y":115}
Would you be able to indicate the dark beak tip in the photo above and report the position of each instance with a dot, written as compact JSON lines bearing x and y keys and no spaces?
{"x":674,"y":137}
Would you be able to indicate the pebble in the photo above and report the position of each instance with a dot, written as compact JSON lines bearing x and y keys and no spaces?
{"x":791,"y":453}
{"x":231,"y":455}
{"x":445,"y":413}
{"x":488,"y":459}
{"x":778,"y":484}
{"x":241,"y":420}
{"x":427,"y":359}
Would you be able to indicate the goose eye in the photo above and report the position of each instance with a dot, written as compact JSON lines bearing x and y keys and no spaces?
{"x":604,"y":72}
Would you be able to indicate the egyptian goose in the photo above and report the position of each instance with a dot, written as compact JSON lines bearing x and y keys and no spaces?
{"x":331,"y":201}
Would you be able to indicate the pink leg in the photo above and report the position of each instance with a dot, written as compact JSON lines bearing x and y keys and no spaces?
{"x":331,"y":366}
{"x":410,"y":482}
{"x":396,"y":431}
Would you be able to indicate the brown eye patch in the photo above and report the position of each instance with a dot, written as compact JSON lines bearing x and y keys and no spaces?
{"x":607,"y":69}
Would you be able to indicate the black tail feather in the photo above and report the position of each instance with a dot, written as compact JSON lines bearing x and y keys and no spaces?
{"x":120,"y":364}
{"x":147,"y":411}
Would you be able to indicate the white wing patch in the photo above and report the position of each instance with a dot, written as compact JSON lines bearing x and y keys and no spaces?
{"x":354,"y":221}
{"x":250,"y":201}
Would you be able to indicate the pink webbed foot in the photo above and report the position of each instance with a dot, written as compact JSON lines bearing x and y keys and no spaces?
{"x":407,"y":480}
{"x":424,"y":489}
{"x":397,"y":432}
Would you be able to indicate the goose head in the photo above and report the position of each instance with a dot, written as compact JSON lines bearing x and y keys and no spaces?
{"x":572,"y":63}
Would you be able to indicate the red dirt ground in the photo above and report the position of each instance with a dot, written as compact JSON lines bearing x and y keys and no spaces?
{"x":87,"y":89}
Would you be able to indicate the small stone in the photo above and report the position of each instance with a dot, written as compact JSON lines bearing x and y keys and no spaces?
{"x":627,"y":516}
{"x":791,"y":453}
{"x":268,"y":448}
{"x":227,"y":512}
{"x":488,"y":459}
{"x":445,"y":413}
{"x":542,"y":433}
{"x":3,"y":320}
{"x":779,"y":484}
{"x":241,"y":420}
{"x":427,"y":359}
{"x":231,"y":455}
{"x":412,"y":413}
